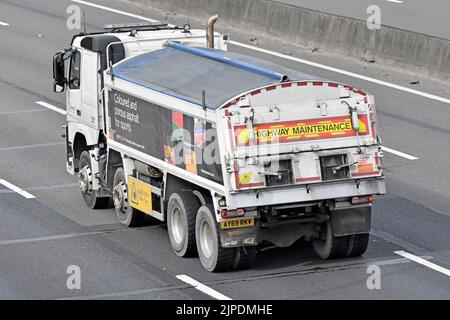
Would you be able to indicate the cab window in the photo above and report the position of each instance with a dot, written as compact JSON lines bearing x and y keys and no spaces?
{"x":74,"y":73}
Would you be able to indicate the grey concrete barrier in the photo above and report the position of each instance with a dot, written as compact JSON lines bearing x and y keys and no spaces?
{"x":401,"y":48}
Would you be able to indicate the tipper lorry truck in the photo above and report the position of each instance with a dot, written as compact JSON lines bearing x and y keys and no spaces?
{"x":229,"y":150}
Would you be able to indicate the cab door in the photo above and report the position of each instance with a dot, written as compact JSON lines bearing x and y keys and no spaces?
{"x":74,"y":86}
{"x":82,"y":97}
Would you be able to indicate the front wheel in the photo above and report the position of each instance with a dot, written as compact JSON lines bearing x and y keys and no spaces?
{"x":85,"y":179}
{"x":212,"y":255}
{"x":127,"y":215}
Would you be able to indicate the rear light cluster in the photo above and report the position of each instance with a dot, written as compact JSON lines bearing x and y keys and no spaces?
{"x":362,"y":199}
{"x":232,"y":213}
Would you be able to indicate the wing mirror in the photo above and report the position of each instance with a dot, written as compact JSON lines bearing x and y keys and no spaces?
{"x":59,"y":78}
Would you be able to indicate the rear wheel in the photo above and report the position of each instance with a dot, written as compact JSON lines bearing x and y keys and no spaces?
{"x":357,"y":244}
{"x":244,"y":257}
{"x":330,"y":246}
{"x":212,"y":255}
{"x":127,"y":215}
{"x":181,"y":212}
{"x":85,"y":179}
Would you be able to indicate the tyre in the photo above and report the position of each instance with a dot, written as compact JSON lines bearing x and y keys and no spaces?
{"x":181,"y":212}
{"x":127,"y":215}
{"x":213,"y":256}
{"x":331,"y":247}
{"x":85,"y":179}
{"x":357,"y":244}
{"x":244,"y":257}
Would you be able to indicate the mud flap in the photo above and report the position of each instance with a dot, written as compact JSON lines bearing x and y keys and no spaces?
{"x":351,"y":221}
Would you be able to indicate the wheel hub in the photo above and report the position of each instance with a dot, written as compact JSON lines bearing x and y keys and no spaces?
{"x":85,"y":179}
{"x":120,"y":197}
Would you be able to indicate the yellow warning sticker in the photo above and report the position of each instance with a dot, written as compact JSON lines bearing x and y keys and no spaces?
{"x":140,"y":195}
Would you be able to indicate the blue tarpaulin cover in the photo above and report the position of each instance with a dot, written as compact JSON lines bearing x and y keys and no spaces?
{"x":185,"y":75}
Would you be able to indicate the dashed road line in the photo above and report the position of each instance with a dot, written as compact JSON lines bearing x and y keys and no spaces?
{"x":66,"y":236}
{"x":6,"y":113}
{"x":423,"y":262}
{"x":4,"y":24}
{"x":16,"y":189}
{"x":51,"y":107}
{"x":399,"y":153}
{"x":201,"y":287}
{"x":32,"y":146}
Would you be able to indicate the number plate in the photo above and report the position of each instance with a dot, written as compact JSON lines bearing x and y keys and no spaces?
{"x":237,"y":223}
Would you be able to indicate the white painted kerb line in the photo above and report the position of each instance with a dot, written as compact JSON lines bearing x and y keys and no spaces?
{"x":49,"y":106}
{"x":17,"y":189}
{"x":201,"y":287}
{"x":423,"y":262}
{"x":94,"y":5}
{"x":398,"y":153}
{"x":347,"y":73}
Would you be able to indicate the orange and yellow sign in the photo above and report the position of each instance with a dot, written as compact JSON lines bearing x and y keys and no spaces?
{"x":295,"y":131}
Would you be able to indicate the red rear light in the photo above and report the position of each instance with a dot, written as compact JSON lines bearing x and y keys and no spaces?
{"x":362,"y":200}
{"x":232,"y":213}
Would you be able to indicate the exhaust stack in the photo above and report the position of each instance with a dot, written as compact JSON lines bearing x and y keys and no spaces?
{"x":210,"y":31}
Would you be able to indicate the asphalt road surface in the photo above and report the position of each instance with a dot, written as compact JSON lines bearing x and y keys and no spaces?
{"x":428,"y":17}
{"x":45,"y":226}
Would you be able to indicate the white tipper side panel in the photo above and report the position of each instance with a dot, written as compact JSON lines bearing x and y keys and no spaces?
{"x":173,"y":104}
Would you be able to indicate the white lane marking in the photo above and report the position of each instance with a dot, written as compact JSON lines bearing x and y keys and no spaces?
{"x":90,"y":4}
{"x":347,"y":73}
{"x":4,"y":24}
{"x":201,"y":287}
{"x":49,"y":106}
{"x":395,"y":1}
{"x":398,"y":153}
{"x":32,"y":146}
{"x":17,"y":189}
{"x":284,"y":56}
{"x":423,"y":262}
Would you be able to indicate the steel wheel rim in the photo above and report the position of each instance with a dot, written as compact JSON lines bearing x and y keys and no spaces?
{"x":206,"y":239}
{"x":176,"y":223}
{"x":120,"y":200}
